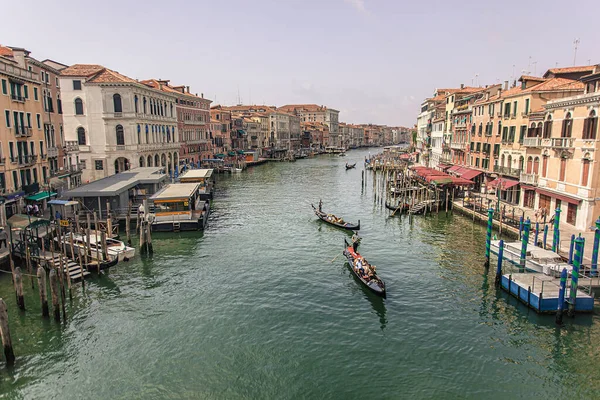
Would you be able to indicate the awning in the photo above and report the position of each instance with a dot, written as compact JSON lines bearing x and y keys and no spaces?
{"x":241,"y":131}
{"x":560,"y":196}
{"x":470,"y":173}
{"x":461,"y":181}
{"x":63,"y":202}
{"x":231,"y":153}
{"x":240,"y":151}
{"x":445,"y":166}
{"x":454,"y":168}
{"x":22,"y":221}
{"x":220,"y":155}
{"x":40,"y":196}
{"x":525,"y":187}
{"x":504,"y":183}
{"x":459,"y":171}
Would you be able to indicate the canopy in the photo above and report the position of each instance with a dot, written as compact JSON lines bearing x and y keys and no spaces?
{"x":560,"y":196}
{"x":470,"y":173}
{"x":231,"y":153}
{"x":504,"y":183}
{"x":454,"y":168}
{"x":220,"y":155}
{"x":40,"y":196}
{"x":22,"y":221}
{"x":240,"y":151}
{"x":63,"y":202}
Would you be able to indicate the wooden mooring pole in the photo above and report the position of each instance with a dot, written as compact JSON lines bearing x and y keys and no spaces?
{"x":19,"y":288}
{"x":128,"y":224}
{"x":54,"y":294}
{"x":9,"y":354}
{"x":41,"y":277}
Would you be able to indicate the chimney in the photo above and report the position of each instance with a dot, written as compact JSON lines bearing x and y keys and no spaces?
{"x":487,"y":96}
{"x":202,"y":95}
{"x":462,"y":85}
{"x":505,"y":85}
{"x":187,"y":89}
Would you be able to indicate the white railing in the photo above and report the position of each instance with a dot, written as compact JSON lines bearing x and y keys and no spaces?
{"x":563,"y":143}
{"x":531,"y":179}
{"x":532,"y":142}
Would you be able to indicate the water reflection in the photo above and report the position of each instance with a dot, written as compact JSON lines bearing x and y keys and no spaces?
{"x":378,"y":305}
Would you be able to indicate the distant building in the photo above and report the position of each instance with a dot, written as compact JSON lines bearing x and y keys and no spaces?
{"x":315,"y":113}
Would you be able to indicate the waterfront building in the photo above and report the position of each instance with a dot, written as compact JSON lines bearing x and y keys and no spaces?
{"x":317,"y":134}
{"x":568,"y":175}
{"x":193,"y":119}
{"x":316,"y":113}
{"x":221,"y":134}
{"x":117,"y":123}
{"x":438,"y":159}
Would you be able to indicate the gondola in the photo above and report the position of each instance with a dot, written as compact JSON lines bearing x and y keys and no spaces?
{"x":356,"y":262}
{"x":93,"y":265}
{"x":333,"y":220}
{"x":398,"y":207}
{"x":350,"y":166}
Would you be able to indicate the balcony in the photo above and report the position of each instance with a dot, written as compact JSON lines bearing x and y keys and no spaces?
{"x":23,"y":131}
{"x":18,"y":98}
{"x":563,"y":143}
{"x":76,"y":168}
{"x":532,"y":142}
{"x":507,"y":171}
{"x":52,"y":152}
{"x":158,"y":146}
{"x":458,"y":145}
{"x":531,"y":179}
{"x":70,"y":146}
{"x":27,"y":160}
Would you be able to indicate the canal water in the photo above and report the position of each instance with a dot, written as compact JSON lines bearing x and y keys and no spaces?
{"x":256,"y":307}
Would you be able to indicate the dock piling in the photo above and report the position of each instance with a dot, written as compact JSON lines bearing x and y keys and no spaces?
{"x":41,"y":277}
{"x":545,"y":236}
{"x":500,"y":259}
{"x":570,"y":261}
{"x":575,"y":274}
{"x":537,"y":233}
{"x":9,"y":354}
{"x":488,"y":236}
{"x":19,"y":288}
{"x":520,"y":228}
{"x":54,"y":294}
{"x":594,"y":269}
{"x":524,"y":243}
{"x":556,"y":235}
{"x":561,"y":296}
{"x":128,"y":224}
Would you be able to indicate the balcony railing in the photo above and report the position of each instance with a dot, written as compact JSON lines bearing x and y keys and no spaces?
{"x":532,"y":142}
{"x":531,"y":179}
{"x":507,"y":171}
{"x":27,"y":160}
{"x":23,"y":131}
{"x":16,"y":97}
{"x":563,"y":143}
{"x":458,"y":145}
{"x":70,"y":146}
{"x":158,"y":146}
{"x":52,"y":151}
{"x":75,"y":168}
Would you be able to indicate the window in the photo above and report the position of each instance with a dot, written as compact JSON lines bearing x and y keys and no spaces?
{"x":514,"y":113}
{"x":56,"y":81}
{"x":26,"y":91}
{"x":35,"y":94}
{"x":496,"y":149}
{"x":507,"y":110}
{"x":7,"y":118}
{"x":477,"y":162}
{"x":480,"y":129}
{"x":117,"y":103}
{"x":544,"y":166}
{"x":590,"y":126}
{"x":78,"y":106}
{"x":547,"y":128}
{"x":499,"y":128}
{"x":567,"y":126}
{"x":522,"y":133}
{"x":526,"y":106}
{"x":76,"y":85}
{"x":135,"y":103}
{"x":38,"y":119}
{"x":81,"y":135}
{"x":585,"y":172}
{"x":511,"y":134}
{"x":15,"y":180}
{"x":478,"y":147}
{"x":4,"y":87}
{"x":99,"y":165}
{"x":59,"y":105}
{"x":505,"y":134}
{"x":120,"y":135}
{"x":41,"y":148}
{"x":563,"y":169}
{"x":11,"y":151}
{"x":29,"y":120}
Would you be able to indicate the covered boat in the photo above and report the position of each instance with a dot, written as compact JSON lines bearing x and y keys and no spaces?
{"x":363,"y":271}
{"x":336,"y":221}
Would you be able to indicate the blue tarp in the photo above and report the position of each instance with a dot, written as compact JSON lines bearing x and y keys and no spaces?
{"x":62,"y":202}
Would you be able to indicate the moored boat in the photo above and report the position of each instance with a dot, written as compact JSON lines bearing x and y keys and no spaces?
{"x":350,"y":166}
{"x":364,"y":271}
{"x":336,"y":221}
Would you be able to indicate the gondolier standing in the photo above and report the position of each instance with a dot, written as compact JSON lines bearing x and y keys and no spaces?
{"x":320,"y":205}
{"x":355,"y":241}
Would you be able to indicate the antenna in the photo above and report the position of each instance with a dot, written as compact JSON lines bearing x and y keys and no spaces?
{"x":239,"y":101}
{"x":513,"y":73}
{"x":534,"y":68}
{"x":477,"y":80}
{"x":575,"y":44}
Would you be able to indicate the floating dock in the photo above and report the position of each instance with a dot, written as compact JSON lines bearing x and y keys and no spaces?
{"x":540,"y":292}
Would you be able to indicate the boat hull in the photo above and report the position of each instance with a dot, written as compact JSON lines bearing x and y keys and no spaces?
{"x":348,"y":226}
{"x":376,"y":287}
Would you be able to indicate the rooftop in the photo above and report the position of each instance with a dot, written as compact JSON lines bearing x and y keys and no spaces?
{"x":118,"y":183}
{"x":197,"y":174}
{"x":176,"y":191}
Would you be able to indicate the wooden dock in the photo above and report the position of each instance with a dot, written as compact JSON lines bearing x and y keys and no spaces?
{"x":540,"y":292}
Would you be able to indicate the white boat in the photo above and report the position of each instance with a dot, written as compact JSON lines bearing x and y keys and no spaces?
{"x":537,"y":259}
{"x":114,"y":248}
{"x":233,"y":169}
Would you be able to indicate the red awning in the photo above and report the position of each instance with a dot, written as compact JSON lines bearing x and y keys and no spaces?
{"x":454,"y":168}
{"x":525,"y":187}
{"x":560,"y":196}
{"x":504,"y":183}
{"x":461,"y":181}
{"x":445,"y":166}
{"x":470,"y":173}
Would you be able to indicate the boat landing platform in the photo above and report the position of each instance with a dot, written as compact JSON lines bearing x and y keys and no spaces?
{"x":540,"y":292}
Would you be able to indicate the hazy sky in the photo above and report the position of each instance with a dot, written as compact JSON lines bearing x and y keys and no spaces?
{"x":374,"y":60}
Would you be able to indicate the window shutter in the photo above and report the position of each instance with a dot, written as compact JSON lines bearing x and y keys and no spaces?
{"x":586,"y":128}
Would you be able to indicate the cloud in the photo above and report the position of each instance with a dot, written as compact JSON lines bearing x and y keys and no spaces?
{"x":359,"y":5}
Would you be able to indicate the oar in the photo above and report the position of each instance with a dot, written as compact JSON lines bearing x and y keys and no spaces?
{"x":334,"y":258}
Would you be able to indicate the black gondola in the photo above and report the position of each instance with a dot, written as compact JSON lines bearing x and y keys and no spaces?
{"x":398,"y":207}
{"x":356,"y":263}
{"x":93,"y":266}
{"x":333,"y":220}
{"x":350,"y":166}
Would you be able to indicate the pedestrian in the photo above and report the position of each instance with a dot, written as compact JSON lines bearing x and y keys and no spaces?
{"x":29,"y":209}
{"x":3,"y":237}
{"x":142,"y":210}
{"x":36,"y":210}
{"x":57,"y":216}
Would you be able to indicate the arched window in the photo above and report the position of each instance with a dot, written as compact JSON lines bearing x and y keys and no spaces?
{"x":509,"y":162}
{"x":145,"y":106}
{"x":135,"y":103}
{"x":585,"y":170}
{"x":529,"y":164}
{"x":117,"y":103}
{"x":545,"y":165}
{"x":521,"y":163}
{"x":81,"y":136}
{"x":547,"y":128}
{"x":171,"y":110}
{"x":531,"y":131}
{"x":78,"y":106}
{"x":563,"y":169}
{"x":120,"y":135}
{"x":567,"y":126}
{"x":539,"y":129}
{"x":480,"y":129}
{"x":499,"y":128}
{"x":156,"y":161}
{"x":149,"y":161}
{"x":590,"y":126}
{"x":141,"y":161}
{"x":536,"y":165}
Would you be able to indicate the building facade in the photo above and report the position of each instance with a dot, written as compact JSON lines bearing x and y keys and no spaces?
{"x":316,"y":113}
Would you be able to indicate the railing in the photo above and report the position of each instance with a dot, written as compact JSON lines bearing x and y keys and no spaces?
{"x":27,"y":160}
{"x":84,"y":148}
{"x":23,"y":131}
{"x":156,"y":117}
{"x":532,"y":142}
{"x":507,"y":171}
{"x":16,"y":97}
{"x":563,"y":143}
{"x":70,"y":146}
{"x":458,"y":145}
{"x":75,"y":168}
{"x":52,"y":152}
{"x":531,"y":179}
{"x":158,"y":146}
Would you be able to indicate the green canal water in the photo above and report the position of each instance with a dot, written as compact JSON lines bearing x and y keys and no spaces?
{"x":253,"y":308}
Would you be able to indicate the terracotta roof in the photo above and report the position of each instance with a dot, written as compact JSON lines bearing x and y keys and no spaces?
{"x":82,"y":70}
{"x":531,"y":78}
{"x":569,"y":70}
{"x":110,"y":76}
{"x":556,"y":84}
{"x":250,"y":108}
{"x":302,"y":107}
{"x":6,"y":51}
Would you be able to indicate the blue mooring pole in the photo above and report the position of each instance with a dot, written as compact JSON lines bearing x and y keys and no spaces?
{"x":524,"y":242}
{"x":575,"y":274}
{"x":571,"y":249}
{"x":488,"y":237}
{"x":545,"y":236}
{"x":594,"y":271}
{"x":521,"y":227}
{"x":556,"y":234}
{"x":561,"y":296}
{"x":537,"y":233}
{"x":500,"y":259}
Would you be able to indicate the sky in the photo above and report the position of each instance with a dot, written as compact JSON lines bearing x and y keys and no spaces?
{"x":373,"y":60}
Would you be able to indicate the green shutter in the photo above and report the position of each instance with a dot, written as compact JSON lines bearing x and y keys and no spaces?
{"x":4,"y":89}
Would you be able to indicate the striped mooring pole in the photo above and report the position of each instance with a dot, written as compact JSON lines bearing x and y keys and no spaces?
{"x":561,"y":296}
{"x":594,"y":271}
{"x":556,"y":235}
{"x":500,"y":259}
{"x":488,"y":237}
{"x":571,"y":249}
{"x":520,"y":227}
{"x":575,"y":274}
{"x":524,"y":242}
{"x":545,"y":236}
{"x":537,"y":233}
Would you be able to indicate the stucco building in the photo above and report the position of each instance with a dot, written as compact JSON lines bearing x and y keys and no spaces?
{"x":316,"y":113}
